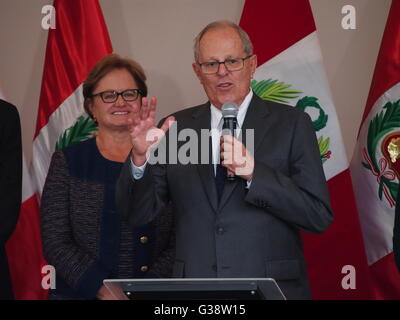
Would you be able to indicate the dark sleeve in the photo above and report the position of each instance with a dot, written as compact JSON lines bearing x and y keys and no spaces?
{"x":80,"y":270}
{"x":301,"y":197}
{"x":396,"y":232}
{"x":10,"y":169}
{"x":141,"y":201}
{"x":164,"y":253}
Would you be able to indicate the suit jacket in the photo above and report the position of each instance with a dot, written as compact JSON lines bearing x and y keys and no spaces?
{"x":10,"y":186}
{"x":250,"y":232}
{"x":396,"y":231}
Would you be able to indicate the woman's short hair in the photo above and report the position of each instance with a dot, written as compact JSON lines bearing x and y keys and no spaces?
{"x":104,"y":66}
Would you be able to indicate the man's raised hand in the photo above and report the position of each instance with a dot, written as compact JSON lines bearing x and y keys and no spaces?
{"x":143,"y":130}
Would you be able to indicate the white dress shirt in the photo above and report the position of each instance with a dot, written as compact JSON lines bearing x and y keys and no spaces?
{"x":217,"y":122}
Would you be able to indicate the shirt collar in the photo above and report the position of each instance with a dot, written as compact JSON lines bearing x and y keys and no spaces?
{"x":216,"y":114}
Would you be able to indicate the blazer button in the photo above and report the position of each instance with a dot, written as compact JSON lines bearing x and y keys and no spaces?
{"x":144,"y":268}
{"x":144,"y":239}
{"x":220,"y":230}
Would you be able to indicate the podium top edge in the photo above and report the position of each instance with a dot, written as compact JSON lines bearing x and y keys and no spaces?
{"x":189,"y":279}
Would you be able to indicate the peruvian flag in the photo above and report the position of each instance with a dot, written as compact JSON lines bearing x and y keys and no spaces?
{"x":24,"y":248}
{"x":79,"y":41}
{"x":291,"y":71}
{"x":375,"y":166}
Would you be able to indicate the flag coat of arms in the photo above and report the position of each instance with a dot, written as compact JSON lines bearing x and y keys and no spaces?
{"x":375,"y":166}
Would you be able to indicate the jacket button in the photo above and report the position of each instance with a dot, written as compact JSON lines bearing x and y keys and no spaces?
{"x":144,"y":268}
{"x":220,"y":230}
{"x":144,"y":239}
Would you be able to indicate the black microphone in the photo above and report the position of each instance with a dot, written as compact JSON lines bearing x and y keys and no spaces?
{"x":229,"y":113}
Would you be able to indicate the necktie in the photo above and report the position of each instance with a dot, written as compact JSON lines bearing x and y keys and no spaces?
{"x":220,"y":179}
{"x":221,"y":171}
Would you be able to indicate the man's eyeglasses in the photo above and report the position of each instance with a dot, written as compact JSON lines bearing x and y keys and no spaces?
{"x":128,"y":95}
{"x":230,"y":65}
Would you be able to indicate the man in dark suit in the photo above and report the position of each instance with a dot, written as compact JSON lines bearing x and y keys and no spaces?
{"x":10,"y":186}
{"x":247,"y":228}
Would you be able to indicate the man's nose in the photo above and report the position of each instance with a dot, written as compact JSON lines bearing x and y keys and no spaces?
{"x":222,"y":70}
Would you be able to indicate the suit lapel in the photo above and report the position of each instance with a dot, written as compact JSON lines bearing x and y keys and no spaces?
{"x":255,"y":119}
{"x":202,"y":120}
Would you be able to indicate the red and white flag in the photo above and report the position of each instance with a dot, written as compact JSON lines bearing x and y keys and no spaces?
{"x":291,"y":71}
{"x":24,"y":248}
{"x":24,"y":253}
{"x":375,"y":166}
{"x":78,"y":42}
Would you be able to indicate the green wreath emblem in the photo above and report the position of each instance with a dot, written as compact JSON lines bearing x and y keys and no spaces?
{"x":82,"y":129}
{"x":307,"y":102}
{"x":384,"y":122}
{"x":272,"y":90}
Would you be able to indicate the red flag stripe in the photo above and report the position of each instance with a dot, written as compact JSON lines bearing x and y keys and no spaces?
{"x":24,"y":251}
{"x":265,"y":25}
{"x":387,"y":68}
{"x":341,"y":245}
{"x":385,"y":278}
{"x":72,"y":50}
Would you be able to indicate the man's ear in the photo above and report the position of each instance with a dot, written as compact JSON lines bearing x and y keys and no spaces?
{"x":253,"y":60}
{"x":197,"y":71}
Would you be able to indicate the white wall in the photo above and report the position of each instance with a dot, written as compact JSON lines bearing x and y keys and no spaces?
{"x":350,"y":56}
{"x":159,"y":34}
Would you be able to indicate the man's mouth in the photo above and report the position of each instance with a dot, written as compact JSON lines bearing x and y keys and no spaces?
{"x":224,"y":85}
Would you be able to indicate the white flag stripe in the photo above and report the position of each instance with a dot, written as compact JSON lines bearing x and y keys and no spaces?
{"x":44,"y":144}
{"x":301,"y":66}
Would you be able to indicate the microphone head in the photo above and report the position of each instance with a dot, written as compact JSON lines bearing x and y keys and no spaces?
{"x":229,"y":110}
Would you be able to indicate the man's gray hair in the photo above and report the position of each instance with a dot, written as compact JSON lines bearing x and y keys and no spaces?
{"x":247,"y":45}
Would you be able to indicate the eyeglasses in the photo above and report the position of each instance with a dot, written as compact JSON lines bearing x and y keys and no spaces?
{"x":110,"y":96}
{"x":230,"y":65}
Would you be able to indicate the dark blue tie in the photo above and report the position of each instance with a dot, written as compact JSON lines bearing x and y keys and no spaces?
{"x":221,"y":171}
{"x":220,"y":178}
